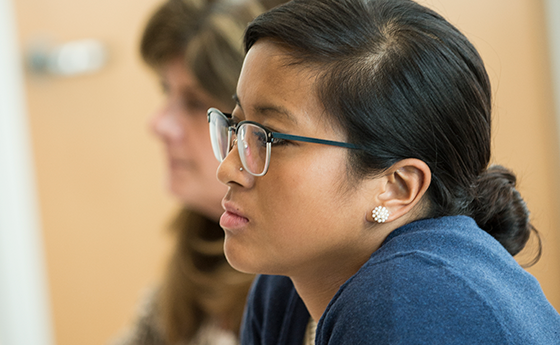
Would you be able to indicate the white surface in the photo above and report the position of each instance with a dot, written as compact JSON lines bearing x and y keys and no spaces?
{"x":24,"y":307}
{"x":552,"y":12}
{"x":78,"y":57}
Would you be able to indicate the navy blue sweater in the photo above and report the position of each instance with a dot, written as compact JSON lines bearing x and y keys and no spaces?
{"x":435,"y":281}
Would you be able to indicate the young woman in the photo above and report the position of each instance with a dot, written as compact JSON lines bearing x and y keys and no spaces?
{"x":195,"y":46}
{"x":356,"y":161}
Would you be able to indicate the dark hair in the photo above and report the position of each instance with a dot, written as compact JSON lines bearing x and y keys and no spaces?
{"x":402,"y":82}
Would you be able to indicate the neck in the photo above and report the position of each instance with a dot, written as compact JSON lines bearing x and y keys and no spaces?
{"x":318,"y":284}
{"x":318,"y":288}
{"x":321,"y":279}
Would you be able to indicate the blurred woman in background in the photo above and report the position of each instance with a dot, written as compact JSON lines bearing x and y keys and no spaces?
{"x":195,"y":48}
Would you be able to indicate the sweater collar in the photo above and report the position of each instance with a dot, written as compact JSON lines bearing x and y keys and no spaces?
{"x":432,"y":223}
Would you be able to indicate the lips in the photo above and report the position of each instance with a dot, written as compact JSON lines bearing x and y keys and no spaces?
{"x":232,"y":219}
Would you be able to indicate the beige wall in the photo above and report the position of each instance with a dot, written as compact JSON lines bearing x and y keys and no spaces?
{"x":99,"y":172}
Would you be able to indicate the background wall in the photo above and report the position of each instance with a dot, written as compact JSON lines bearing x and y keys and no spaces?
{"x":99,"y":172}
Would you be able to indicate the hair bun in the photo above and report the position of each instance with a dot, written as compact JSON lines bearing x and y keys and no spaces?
{"x":500,"y":210}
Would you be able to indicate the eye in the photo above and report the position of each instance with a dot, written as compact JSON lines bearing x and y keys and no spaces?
{"x":194,"y":101}
{"x":194,"y":104}
{"x":260,"y":136}
{"x":279,"y":142}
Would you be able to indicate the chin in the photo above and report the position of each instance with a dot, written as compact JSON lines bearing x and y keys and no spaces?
{"x":244,"y":260}
{"x":238,"y":259}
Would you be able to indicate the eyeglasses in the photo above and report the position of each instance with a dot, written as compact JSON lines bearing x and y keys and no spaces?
{"x":254,"y":141}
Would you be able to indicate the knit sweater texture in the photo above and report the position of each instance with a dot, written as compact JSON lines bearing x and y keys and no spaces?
{"x":433,"y":281}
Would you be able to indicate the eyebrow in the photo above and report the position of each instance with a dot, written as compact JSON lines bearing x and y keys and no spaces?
{"x":270,"y":110}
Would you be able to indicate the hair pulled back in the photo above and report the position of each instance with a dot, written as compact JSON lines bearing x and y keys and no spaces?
{"x":402,"y":82}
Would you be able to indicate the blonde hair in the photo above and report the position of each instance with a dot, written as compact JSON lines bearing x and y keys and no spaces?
{"x":199,"y":283}
{"x":207,"y":34}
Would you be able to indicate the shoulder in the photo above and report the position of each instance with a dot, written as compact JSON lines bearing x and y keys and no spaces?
{"x":407,"y":298}
{"x":146,"y":329}
{"x":457,"y":286}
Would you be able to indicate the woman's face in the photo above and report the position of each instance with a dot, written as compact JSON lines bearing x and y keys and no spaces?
{"x":302,"y":216}
{"x":182,"y":127}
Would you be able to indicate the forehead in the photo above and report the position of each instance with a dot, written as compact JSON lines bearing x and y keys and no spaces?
{"x":270,"y":84}
{"x":177,"y":69}
{"x":176,"y":76}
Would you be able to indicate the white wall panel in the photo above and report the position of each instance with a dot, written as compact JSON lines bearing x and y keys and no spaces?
{"x":24,"y":311}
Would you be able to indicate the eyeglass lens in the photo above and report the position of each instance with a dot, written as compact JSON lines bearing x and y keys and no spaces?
{"x":251,"y":143}
{"x":219,"y":135}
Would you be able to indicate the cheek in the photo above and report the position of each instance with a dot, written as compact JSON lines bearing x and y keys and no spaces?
{"x":311,"y":179}
{"x":300,"y":215}
{"x":206,"y":157}
{"x":297,"y":227}
{"x":199,"y":143}
{"x":303,"y":197}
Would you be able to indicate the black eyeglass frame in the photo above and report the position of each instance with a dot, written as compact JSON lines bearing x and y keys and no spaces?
{"x":270,"y":135}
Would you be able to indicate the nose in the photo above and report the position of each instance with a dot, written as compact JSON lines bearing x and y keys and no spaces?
{"x":164,"y":124}
{"x":231,"y":172}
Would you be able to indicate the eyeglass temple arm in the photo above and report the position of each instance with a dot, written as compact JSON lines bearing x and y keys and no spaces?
{"x":313,"y":140}
{"x":296,"y":137}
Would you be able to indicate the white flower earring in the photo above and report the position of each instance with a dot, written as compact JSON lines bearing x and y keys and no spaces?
{"x":380,"y":214}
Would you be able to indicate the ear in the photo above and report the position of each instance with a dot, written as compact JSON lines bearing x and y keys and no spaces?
{"x":405,"y":183}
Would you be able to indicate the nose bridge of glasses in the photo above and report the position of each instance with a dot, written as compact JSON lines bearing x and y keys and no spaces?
{"x":232,"y":137}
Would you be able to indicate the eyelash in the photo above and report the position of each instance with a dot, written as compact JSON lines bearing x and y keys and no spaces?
{"x":280,"y":142}
{"x":276,"y":142}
